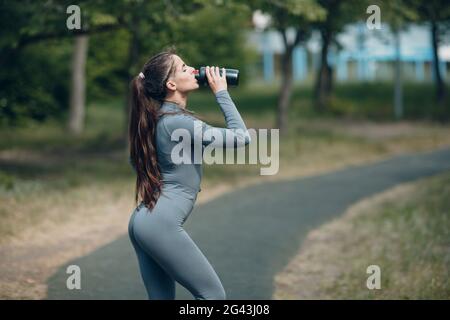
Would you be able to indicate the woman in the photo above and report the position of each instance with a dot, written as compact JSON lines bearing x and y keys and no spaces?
{"x":168,"y":190}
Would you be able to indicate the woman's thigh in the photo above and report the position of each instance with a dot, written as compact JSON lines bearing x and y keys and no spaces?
{"x":173,"y":249}
{"x":158,"y":283}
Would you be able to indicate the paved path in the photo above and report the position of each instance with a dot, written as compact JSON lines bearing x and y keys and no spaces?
{"x":251,"y":234}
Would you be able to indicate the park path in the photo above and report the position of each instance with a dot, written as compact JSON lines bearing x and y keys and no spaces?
{"x":249,"y":235}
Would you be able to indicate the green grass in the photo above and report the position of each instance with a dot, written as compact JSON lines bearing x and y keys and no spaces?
{"x":409,"y":239}
{"x":375,"y":101}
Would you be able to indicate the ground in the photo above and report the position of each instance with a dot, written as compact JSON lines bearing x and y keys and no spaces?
{"x":64,"y":197}
{"x":403,"y":230}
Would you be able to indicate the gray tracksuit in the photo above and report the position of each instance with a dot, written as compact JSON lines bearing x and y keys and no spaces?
{"x":164,"y":250}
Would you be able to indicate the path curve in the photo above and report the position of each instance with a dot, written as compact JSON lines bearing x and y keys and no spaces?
{"x":249,"y":235}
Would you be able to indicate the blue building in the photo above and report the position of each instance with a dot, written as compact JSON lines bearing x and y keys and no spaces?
{"x":366,"y":55}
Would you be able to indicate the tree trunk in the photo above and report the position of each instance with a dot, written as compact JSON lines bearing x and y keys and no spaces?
{"x":440,"y":87}
{"x":398,"y":89}
{"x":133,"y":55}
{"x":323,"y":85}
{"x":78,"y":90}
{"x":285,"y":95}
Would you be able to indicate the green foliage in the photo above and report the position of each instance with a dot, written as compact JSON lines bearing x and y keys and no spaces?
{"x":35,"y":54}
{"x":34,"y":84}
{"x":6,"y":181}
{"x":339,"y":13}
{"x":290,"y":13}
{"x":215,"y":36}
{"x":437,"y":10}
{"x":36,"y":47}
{"x":105,"y":65}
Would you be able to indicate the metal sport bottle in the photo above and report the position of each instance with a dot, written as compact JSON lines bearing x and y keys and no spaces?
{"x":232,"y":76}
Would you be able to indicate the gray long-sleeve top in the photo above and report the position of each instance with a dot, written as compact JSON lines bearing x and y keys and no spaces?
{"x":188,"y":176}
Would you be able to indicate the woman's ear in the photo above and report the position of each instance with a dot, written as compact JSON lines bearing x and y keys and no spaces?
{"x":171,"y":85}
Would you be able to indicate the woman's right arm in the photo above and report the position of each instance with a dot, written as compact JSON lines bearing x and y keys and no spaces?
{"x":236,"y":132}
{"x":234,"y":135}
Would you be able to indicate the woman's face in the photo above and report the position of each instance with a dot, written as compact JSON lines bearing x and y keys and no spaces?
{"x":183,"y":79}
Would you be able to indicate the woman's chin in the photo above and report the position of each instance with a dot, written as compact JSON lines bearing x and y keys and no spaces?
{"x":195,"y":87}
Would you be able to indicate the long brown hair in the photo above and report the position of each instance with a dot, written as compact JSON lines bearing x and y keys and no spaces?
{"x":147,"y":95}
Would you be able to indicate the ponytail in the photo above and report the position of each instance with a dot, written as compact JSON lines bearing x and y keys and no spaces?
{"x":142,"y":141}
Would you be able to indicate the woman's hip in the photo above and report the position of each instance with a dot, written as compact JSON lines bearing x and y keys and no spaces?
{"x":170,"y":211}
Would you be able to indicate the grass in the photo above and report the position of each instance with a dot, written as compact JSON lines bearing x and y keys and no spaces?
{"x":414,"y":250}
{"x":45,"y":167}
{"x":375,"y":101}
{"x":405,"y":231}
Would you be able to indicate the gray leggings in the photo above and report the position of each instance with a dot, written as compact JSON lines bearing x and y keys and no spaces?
{"x":167,"y":254}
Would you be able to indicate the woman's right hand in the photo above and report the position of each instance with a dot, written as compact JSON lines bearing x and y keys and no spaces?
{"x":216,"y":81}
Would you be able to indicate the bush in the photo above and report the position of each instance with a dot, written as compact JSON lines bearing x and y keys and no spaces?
{"x":34,"y":84}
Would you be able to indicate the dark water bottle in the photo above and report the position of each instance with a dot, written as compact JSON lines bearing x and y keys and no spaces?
{"x":232,"y":76}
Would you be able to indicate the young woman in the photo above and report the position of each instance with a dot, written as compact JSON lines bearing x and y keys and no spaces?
{"x":168,"y":190}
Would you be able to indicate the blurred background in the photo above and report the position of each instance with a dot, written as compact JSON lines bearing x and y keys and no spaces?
{"x":340,"y":92}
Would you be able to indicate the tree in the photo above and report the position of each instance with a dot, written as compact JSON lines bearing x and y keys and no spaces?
{"x":289,"y":14}
{"x":397,"y":14}
{"x":186,"y":25}
{"x":78,"y":90}
{"x":30,"y":23}
{"x":338,"y":14}
{"x":437,"y":14}
{"x":94,"y":16}
{"x":224,"y":44}
{"x":151,"y":26}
